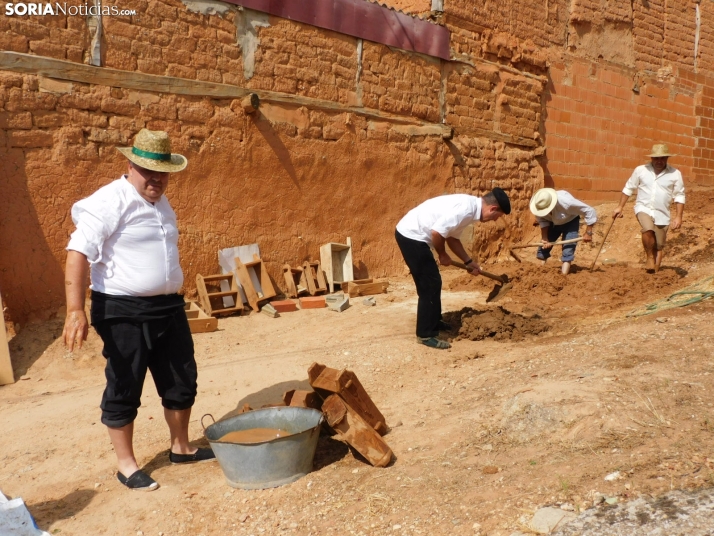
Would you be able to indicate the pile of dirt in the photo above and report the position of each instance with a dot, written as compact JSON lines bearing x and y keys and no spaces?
{"x":545,"y":289}
{"x":497,"y":324}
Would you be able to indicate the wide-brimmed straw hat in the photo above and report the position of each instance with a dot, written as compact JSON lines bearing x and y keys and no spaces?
{"x":543,"y":202}
{"x":660,"y":149}
{"x":152,"y":150}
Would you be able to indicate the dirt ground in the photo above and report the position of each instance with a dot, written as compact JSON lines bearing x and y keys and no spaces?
{"x":543,"y":394}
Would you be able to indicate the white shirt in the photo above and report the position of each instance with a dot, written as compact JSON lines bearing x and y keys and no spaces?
{"x":567,"y":209}
{"x":132,"y":244}
{"x":448,"y":215}
{"x":655,"y":193}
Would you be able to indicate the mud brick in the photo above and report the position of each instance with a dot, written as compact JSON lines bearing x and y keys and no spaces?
{"x":302,"y":399}
{"x":312,"y":302}
{"x":284,"y":306}
{"x":326,"y":381}
{"x":29,"y":138}
{"x":352,"y":429}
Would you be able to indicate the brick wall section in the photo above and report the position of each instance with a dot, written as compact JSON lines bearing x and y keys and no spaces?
{"x":598,"y":130}
{"x":706,"y":37}
{"x":304,"y":60}
{"x":481,"y":166}
{"x":60,"y":36}
{"x":648,"y":29}
{"x":520,"y":106}
{"x":680,"y":27}
{"x":401,"y":83}
{"x":541,"y":22}
{"x":470,"y":95}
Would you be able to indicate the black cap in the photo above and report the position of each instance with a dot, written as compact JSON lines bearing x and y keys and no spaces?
{"x":502,"y":200}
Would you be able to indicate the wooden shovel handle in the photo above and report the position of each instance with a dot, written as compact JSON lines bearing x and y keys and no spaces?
{"x":571,"y":241}
{"x":487,"y":274}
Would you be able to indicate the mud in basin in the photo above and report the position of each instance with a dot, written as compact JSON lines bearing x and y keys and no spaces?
{"x":498,"y":324}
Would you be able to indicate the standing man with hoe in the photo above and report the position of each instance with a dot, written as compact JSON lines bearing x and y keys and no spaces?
{"x":127,"y":238}
{"x":436,"y":223}
{"x":657,"y":185}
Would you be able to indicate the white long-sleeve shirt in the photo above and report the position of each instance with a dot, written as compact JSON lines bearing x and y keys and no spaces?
{"x":567,"y":209}
{"x":448,"y":215}
{"x":131,"y":244}
{"x":655,"y":193}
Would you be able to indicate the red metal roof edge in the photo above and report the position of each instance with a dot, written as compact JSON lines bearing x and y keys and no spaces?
{"x":363,"y":19}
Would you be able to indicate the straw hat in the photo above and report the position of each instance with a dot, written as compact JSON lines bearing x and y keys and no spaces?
{"x":152,"y":150}
{"x":660,"y":149}
{"x":543,"y":202}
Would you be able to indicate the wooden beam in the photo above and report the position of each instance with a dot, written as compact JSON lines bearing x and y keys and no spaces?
{"x":88,"y":74}
{"x":6,"y":374}
{"x":496,"y":136}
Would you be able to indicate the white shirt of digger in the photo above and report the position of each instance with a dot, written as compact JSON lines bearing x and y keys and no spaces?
{"x":448,"y":215}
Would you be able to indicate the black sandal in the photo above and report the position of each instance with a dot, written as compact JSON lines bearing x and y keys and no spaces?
{"x":201,"y":455}
{"x":139,"y":481}
{"x":433,"y":342}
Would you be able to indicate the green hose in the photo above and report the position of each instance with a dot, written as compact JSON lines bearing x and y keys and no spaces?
{"x":701,"y":290}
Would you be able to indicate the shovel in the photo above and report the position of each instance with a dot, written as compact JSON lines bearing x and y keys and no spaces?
{"x":499,"y":291}
{"x":521,"y":246}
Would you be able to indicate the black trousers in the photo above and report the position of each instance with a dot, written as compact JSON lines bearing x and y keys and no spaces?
{"x":163,"y":346}
{"x":427,"y":278}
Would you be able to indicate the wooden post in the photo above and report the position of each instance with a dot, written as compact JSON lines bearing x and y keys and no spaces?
{"x":6,"y":375}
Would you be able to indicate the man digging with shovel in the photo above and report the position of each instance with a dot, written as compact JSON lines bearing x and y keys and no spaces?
{"x":436,"y":223}
{"x":558,"y":214}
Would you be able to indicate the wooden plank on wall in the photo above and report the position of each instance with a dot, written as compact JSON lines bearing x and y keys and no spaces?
{"x":88,"y":74}
{"x":6,"y":375}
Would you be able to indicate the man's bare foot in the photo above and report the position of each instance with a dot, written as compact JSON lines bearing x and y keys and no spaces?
{"x":650,"y":265}
{"x":565,"y":268}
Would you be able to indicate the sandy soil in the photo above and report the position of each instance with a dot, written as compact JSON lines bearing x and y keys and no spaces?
{"x":483,"y":433}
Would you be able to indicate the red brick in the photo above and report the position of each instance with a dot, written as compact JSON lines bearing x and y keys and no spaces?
{"x":285,"y":306}
{"x":312,"y":302}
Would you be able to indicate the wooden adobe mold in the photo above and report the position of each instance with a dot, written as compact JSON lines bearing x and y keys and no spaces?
{"x":336,"y":260}
{"x":255,"y":281}
{"x":198,"y":321}
{"x":364,"y":287}
{"x":294,"y":281}
{"x":326,"y":381}
{"x":212,"y":302}
{"x":314,"y":277}
{"x":353,"y":429}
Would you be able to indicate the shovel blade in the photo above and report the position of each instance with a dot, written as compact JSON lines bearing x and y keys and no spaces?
{"x":498,"y":292}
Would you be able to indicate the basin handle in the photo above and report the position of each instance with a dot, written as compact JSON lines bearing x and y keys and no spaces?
{"x":207,"y":415}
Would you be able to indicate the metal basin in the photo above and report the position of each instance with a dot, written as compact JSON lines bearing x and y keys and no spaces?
{"x":271,"y":463}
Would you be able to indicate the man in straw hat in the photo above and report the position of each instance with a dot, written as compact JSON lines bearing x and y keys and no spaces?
{"x":127,"y":232}
{"x":657,"y":185}
{"x":436,"y":223}
{"x":558,"y":215}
